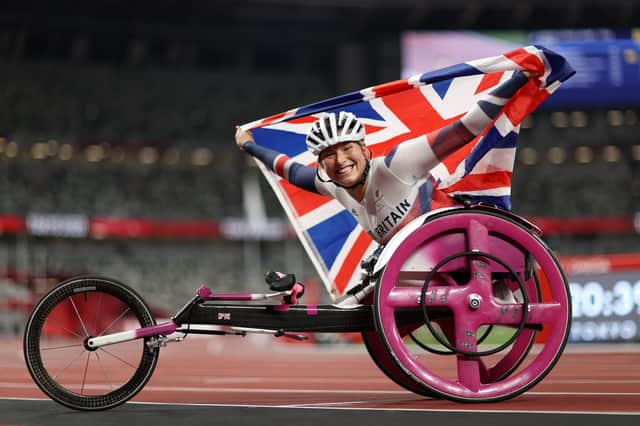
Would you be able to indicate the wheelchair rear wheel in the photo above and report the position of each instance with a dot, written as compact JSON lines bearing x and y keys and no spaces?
{"x":469,"y":270}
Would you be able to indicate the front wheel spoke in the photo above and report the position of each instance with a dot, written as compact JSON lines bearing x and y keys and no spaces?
{"x":84,"y":328}
{"x":124,"y":361}
{"x":51,"y":348}
{"x":69,"y":364}
{"x":84,"y":376}
{"x":95,"y":320}
{"x":51,"y":323}
{"x":118,"y":318}
{"x":104,"y":373}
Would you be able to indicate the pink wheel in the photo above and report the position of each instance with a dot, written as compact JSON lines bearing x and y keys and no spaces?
{"x":489,"y":288}
{"x":382,"y":358}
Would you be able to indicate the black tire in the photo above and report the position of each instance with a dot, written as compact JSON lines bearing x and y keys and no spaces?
{"x":380,"y":356}
{"x":55,"y":336}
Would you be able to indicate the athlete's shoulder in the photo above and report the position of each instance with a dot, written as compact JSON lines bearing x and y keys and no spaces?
{"x":376,"y":163}
{"x":381,"y":168}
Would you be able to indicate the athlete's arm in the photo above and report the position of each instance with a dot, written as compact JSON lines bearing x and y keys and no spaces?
{"x":298,"y":174}
{"x":414,"y":158}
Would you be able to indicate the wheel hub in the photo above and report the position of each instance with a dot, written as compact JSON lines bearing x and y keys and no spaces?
{"x":474,"y":301}
{"x":87,"y":346}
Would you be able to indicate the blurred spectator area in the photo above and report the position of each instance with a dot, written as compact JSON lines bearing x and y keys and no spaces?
{"x":569,"y":163}
{"x":85,"y":104}
{"x":166,"y":272}
{"x":127,"y":189}
{"x":578,"y":163}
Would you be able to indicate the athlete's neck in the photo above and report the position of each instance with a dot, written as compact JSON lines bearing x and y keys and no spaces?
{"x":358,"y":192}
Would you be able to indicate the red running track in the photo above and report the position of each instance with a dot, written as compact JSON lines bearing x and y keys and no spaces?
{"x":264,"y":372}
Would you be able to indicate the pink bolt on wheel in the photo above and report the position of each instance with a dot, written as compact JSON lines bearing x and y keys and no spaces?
{"x":489,"y":288}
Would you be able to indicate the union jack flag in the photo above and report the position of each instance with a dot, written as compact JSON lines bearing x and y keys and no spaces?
{"x":395,"y":112}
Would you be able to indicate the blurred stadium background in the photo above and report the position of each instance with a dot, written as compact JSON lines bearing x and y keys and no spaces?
{"x":117,"y":119}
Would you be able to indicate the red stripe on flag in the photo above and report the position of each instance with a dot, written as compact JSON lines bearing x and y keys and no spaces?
{"x":415,"y":112}
{"x":488,"y":81}
{"x":368,"y":129}
{"x":303,"y":201}
{"x":273,"y":118}
{"x":281,"y":160}
{"x":303,"y":119}
{"x":526,"y":60}
{"x":392,"y":87}
{"x":352,"y":261}
{"x":439,"y":199}
{"x":529,"y":98}
{"x":481,"y":181}
{"x":452,"y":161}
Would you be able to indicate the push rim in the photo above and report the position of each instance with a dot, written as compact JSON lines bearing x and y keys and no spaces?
{"x":456,"y":350}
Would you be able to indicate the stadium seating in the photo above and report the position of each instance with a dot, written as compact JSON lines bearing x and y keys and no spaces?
{"x":125,"y":111}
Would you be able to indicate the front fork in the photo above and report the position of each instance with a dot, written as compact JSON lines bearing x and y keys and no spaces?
{"x":164,"y":329}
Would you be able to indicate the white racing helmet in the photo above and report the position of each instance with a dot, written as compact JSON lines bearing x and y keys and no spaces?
{"x":332,"y":129}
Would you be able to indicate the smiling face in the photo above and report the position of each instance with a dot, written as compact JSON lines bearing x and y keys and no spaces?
{"x":345,"y":162}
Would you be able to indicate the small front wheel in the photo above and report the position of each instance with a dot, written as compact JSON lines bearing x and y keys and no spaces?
{"x":61,"y":363}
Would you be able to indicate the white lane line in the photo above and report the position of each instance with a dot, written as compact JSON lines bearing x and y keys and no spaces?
{"x":346,"y":403}
{"x":209,"y":389}
{"x":302,"y":407}
{"x":440,"y":410}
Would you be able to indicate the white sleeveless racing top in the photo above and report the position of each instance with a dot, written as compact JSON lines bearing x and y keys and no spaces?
{"x":389,"y":202}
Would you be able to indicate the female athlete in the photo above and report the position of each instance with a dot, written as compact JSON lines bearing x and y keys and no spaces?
{"x":382,"y":193}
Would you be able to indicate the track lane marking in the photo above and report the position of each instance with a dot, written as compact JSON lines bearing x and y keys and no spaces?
{"x":440,"y":410}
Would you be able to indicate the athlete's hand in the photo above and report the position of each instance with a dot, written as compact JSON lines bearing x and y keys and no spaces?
{"x":530,"y":74}
{"x":242,"y":137}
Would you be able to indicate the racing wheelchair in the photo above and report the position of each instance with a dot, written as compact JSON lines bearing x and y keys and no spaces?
{"x":473,"y":284}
